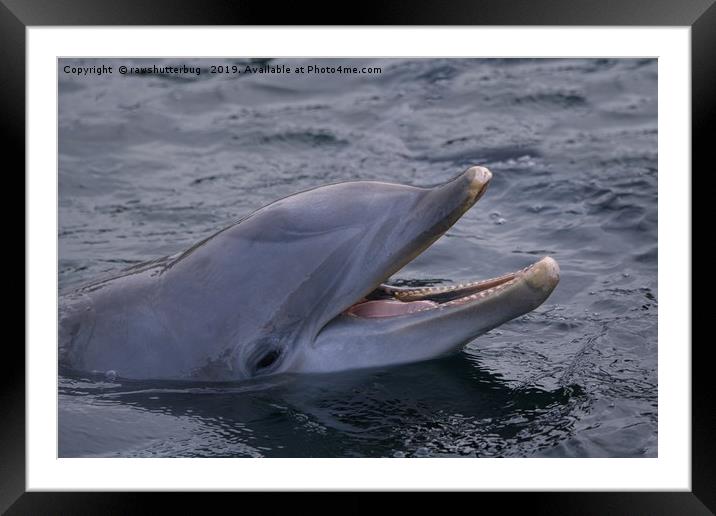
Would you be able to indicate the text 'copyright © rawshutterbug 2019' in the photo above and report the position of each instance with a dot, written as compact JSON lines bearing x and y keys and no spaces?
{"x":221,"y":69}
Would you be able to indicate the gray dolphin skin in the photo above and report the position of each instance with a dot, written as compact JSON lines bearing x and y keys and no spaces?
{"x":297,"y":286}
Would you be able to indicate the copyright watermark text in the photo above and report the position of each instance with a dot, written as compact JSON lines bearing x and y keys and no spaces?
{"x":225,"y":69}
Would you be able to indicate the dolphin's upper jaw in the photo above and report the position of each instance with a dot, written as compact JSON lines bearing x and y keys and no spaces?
{"x":390,"y":301}
{"x":469,"y":187}
{"x":479,"y":179}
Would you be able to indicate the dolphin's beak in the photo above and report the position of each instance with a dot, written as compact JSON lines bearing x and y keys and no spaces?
{"x":543,"y":275}
{"x":479,"y":178}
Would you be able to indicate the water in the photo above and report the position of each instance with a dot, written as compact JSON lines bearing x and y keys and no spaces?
{"x":151,"y":164}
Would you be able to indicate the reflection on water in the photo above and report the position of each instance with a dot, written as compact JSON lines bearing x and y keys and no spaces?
{"x":443,"y":407}
{"x":151,"y":164}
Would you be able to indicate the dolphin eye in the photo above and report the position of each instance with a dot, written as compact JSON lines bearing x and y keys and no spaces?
{"x":268,"y":359}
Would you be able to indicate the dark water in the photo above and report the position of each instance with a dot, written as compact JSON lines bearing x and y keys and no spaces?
{"x":151,"y":164}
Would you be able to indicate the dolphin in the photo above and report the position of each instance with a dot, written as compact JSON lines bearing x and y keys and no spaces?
{"x":297,"y":286}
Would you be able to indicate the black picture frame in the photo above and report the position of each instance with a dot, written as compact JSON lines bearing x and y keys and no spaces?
{"x":17,"y":15}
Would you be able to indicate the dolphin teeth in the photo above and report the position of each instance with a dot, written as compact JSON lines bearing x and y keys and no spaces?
{"x":474,"y":290}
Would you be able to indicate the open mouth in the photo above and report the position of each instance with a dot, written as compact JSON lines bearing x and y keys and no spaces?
{"x":392,"y":301}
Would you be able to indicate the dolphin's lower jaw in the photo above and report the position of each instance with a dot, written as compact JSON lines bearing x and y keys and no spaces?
{"x":400,"y":325}
{"x":390,"y":301}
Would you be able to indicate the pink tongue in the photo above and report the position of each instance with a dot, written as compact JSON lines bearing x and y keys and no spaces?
{"x":388,"y":308}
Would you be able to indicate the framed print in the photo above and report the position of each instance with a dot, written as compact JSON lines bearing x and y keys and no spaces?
{"x":253,"y":261}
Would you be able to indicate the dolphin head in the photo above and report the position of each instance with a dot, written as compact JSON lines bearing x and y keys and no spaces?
{"x":298,"y":285}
